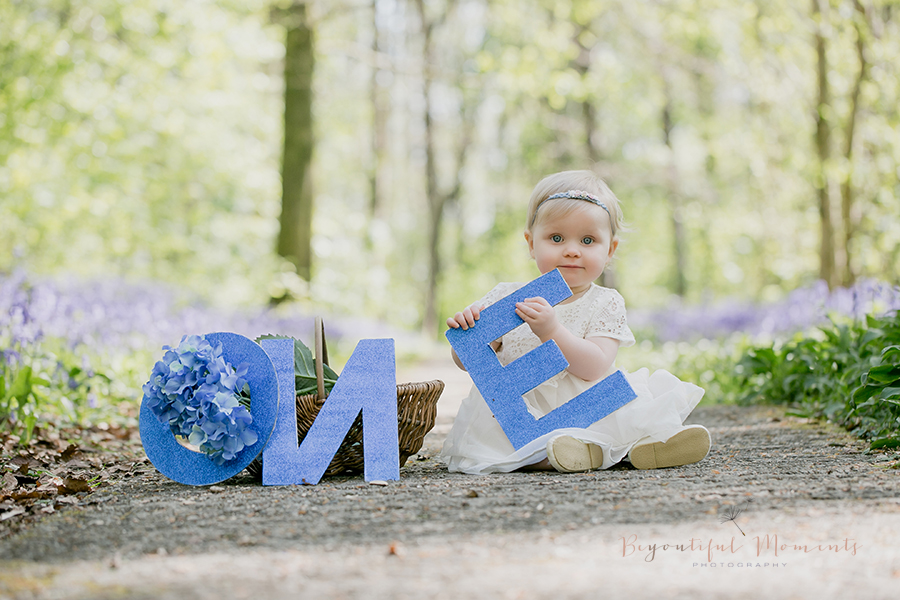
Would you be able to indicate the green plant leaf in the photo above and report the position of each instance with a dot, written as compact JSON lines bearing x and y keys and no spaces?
{"x":871,"y":334}
{"x":865,"y":392}
{"x":21,"y":386}
{"x":801,"y":414}
{"x":890,"y":392}
{"x":305,"y":367}
{"x":30,"y":421}
{"x":890,"y":353}
{"x":885,"y":443}
{"x":884,"y":374}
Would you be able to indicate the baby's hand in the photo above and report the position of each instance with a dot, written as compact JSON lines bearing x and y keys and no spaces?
{"x":539,"y":315}
{"x":466,"y":318}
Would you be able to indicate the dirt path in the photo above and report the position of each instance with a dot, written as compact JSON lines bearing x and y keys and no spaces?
{"x":820,"y":516}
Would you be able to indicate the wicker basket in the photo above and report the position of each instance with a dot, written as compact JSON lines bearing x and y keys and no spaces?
{"x":416,"y":412}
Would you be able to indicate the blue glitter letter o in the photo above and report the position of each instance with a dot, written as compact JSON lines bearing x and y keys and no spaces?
{"x":193,"y":468}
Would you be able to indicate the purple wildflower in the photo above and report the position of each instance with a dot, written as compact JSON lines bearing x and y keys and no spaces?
{"x":801,"y":309}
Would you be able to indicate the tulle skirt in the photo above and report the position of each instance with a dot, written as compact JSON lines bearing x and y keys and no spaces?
{"x":476,"y":443}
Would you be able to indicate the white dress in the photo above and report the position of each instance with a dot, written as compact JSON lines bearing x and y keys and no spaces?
{"x":477,"y":444}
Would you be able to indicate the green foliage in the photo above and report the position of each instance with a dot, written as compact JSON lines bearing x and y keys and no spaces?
{"x":19,"y":399}
{"x":129,"y":142}
{"x":877,"y":401}
{"x":143,"y":139}
{"x":709,"y":363}
{"x":39,"y":381}
{"x":305,"y":367}
{"x":848,"y":373}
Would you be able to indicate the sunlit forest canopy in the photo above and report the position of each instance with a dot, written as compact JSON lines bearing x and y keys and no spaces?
{"x":755,"y":145}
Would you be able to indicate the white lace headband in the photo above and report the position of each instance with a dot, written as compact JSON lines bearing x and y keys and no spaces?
{"x":572,"y":195}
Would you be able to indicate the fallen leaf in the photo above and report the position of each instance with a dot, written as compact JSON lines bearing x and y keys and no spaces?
{"x":69,"y":452}
{"x":25,"y":464}
{"x":25,"y":480}
{"x":13,"y":513}
{"x":78,"y":464}
{"x":9,"y":482}
{"x":121,"y":433}
{"x":32,"y":495}
{"x":72,"y":485}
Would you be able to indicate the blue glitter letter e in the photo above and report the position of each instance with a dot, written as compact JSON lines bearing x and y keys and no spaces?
{"x":503,"y":387}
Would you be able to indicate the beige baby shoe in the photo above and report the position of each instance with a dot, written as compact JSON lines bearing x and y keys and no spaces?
{"x":688,"y":446}
{"x":568,"y":455}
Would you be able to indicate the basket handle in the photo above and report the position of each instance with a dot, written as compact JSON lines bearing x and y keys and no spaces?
{"x":321,"y":357}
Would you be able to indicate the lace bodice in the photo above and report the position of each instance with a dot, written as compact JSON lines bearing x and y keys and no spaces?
{"x":599,"y":312}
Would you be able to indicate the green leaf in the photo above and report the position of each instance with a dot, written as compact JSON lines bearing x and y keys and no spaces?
{"x":21,"y":387}
{"x":890,"y":392}
{"x":891,"y":352}
{"x":885,"y":443}
{"x":304,"y":363}
{"x":30,"y":421}
{"x":305,"y":368}
{"x":884,"y":373}
{"x":865,"y":392}
{"x":797,"y":413}
{"x":307,"y":385}
{"x":861,"y":405}
{"x":871,"y":334}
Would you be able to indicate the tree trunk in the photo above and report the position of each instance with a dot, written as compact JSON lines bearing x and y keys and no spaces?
{"x":379,"y":121}
{"x":435,"y":200}
{"x":582,"y":65}
{"x":848,"y":218}
{"x":827,"y":270}
{"x":679,"y":282}
{"x":295,"y":235}
{"x":438,"y":199}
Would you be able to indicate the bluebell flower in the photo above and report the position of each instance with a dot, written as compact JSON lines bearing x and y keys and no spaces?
{"x":196,"y":393}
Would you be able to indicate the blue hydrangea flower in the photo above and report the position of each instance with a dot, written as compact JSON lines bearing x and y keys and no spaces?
{"x":197,"y":394}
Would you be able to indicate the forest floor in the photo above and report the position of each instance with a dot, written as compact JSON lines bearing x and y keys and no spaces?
{"x":818,"y":517}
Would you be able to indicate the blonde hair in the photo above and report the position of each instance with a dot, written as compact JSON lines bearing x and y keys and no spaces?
{"x":572,"y":180}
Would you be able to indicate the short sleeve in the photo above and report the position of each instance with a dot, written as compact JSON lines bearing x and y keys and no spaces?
{"x":608,"y":318}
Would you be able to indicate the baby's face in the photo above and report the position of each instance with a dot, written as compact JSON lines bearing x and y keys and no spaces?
{"x":578,"y":243}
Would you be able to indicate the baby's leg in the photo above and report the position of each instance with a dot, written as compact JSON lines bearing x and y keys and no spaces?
{"x":543,"y":465}
{"x":688,"y":446}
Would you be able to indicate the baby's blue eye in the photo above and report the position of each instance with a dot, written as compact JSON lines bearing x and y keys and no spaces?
{"x":587,"y":241}
{"x":556,"y":238}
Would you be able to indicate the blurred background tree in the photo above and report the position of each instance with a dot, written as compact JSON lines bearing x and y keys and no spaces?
{"x":295,"y":222}
{"x":755,"y":145}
